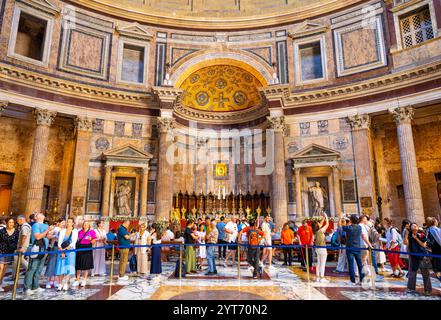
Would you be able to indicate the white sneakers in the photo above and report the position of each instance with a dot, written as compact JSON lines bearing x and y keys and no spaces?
{"x":324,"y":280}
{"x":76,"y":283}
{"x":125,"y":278}
{"x":1,"y":289}
{"x":83,"y":283}
{"x":29,"y":292}
{"x":66,"y":286}
{"x":60,"y":287}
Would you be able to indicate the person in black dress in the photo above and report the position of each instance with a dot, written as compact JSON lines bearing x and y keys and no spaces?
{"x":156,"y":266}
{"x":8,"y":245}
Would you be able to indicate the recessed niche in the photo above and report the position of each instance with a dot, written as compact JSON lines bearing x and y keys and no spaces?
{"x":311,"y":61}
{"x":132,"y":67}
{"x":31,"y":35}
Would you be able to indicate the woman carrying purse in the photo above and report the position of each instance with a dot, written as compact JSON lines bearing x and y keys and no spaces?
{"x":65,"y":267}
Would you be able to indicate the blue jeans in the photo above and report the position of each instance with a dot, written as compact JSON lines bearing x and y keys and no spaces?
{"x":210,"y":258}
{"x":374,"y":261}
{"x":32,"y":277}
{"x":351,"y":256}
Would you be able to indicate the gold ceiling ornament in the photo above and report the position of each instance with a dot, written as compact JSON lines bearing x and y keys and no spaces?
{"x":221,"y":88}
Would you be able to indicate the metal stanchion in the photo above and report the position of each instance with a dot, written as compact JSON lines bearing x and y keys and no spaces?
{"x":17,"y":273}
{"x":307,"y":261}
{"x":238,"y":259}
{"x":180,"y":261}
{"x":112,"y":264}
{"x":372,"y":268}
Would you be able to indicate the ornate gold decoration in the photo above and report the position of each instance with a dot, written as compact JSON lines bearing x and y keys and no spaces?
{"x":278,"y":124}
{"x":221,"y":88}
{"x":166,"y":125}
{"x":221,"y":169}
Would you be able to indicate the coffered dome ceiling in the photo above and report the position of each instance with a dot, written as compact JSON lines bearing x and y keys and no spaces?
{"x":221,"y":88}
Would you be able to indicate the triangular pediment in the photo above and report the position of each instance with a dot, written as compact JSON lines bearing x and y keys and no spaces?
{"x":43,"y":5}
{"x":316,"y":151}
{"x":128,"y":152}
{"x":307,"y":28}
{"x":134,"y":30}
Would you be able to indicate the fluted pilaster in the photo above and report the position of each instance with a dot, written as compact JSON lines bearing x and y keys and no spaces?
{"x":299,"y":206}
{"x":337,"y":192}
{"x":106,"y":191}
{"x":144,"y":190}
{"x":44,"y":119}
{"x":412,"y":190}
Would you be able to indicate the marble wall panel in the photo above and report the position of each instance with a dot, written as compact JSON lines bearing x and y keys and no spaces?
{"x":359,"y":47}
{"x":85,"y":51}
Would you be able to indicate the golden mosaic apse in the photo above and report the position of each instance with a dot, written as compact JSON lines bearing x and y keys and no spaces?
{"x":221,"y":88}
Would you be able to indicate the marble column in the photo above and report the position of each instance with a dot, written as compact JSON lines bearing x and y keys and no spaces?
{"x":412,"y":190}
{"x":337,"y":192}
{"x":44,"y":119}
{"x":164,"y":184}
{"x":278,"y":179}
{"x":299,"y":207}
{"x":144,"y":186}
{"x":106,"y":191}
{"x":80,"y":174}
{"x":364,"y":163}
{"x":66,"y":168}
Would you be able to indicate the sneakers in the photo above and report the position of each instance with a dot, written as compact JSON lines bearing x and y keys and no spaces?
{"x":225,"y":264}
{"x":39,"y":290}
{"x":48,"y":285}
{"x":29,"y":292}
{"x":125,"y":278}
{"x":83,"y":283}
{"x":76,"y":283}
{"x":66,"y":286}
{"x":60,"y":287}
{"x":324,"y":280}
{"x":318,"y":280}
{"x":1,"y":289}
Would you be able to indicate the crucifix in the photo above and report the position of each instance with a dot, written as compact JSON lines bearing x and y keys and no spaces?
{"x":221,"y":100}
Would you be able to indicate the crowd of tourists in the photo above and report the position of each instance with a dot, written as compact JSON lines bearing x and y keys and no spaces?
{"x":365,"y":246}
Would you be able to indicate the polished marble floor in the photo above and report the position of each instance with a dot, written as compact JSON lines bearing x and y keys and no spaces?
{"x":281,"y":283}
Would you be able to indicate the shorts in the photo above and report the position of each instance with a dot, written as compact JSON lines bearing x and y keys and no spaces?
{"x":232,"y":246}
{"x":6,"y":260}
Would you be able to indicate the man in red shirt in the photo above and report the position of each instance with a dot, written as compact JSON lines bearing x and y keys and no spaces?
{"x":254,"y":236}
{"x":304,"y":234}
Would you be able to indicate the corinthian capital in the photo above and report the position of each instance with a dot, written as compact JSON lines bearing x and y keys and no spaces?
{"x":44,"y":117}
{"x":165,"y":124}
{"x":402,"y":114}
{"x":360,"y":121}
{"x":3,"y":105}
{"x":84,"y":123}
{"x":277,"y":124}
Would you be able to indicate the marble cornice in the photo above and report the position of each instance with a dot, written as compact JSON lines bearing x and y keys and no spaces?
{"x":44,"y":82}
{"x":235,"y":117}
{"x":393,"y":81}
{"x":204,"y":22}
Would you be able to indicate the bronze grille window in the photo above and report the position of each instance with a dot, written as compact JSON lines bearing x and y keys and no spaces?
{"x":416,"y":27}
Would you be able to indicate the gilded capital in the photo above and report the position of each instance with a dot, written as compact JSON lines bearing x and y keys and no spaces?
{"x":402,"y":114}
{"x":3,"y":105}
{"x":277,"y":124}
{"x":360,"y":121}
{"x":44,"y":117}
{"x":84,"y":123}
{"x":165,"y":124}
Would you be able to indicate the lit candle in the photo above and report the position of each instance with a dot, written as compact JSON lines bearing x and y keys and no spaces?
{"x":223,"y":192}
{"x":218,"y":193}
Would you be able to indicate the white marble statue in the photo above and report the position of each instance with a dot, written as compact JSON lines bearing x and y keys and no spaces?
{"x":318,"y":194}
{"x":123,"y":198}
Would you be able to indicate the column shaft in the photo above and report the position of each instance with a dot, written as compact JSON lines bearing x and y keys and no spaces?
{"x":106,"y":191}
{"x":299,"y":207}
{"x":280,"y":207}
{"x":337,"y":193}
{"x":144,"y":186}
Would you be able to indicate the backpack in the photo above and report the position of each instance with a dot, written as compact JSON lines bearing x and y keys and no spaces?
{"x":253,"y":237}
{"x":334,"y":240}
{"x":38,"y":246}
{"x":133,"y":263}
{"x":183,"y":272}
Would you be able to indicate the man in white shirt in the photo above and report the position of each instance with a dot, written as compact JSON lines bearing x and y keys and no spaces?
{"x":231,"y":232}
{"x":267,"y":252}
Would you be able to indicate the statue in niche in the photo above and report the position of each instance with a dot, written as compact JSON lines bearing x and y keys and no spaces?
{"x":318,"y":195}
{"x":123,"y":195}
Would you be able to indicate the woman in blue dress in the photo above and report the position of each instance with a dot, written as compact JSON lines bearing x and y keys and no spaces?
{"x":156,"y":267}
{"x":52,"y":258}
{"x":65,"y":267}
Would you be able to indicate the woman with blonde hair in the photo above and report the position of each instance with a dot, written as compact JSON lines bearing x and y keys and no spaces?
{"x":142,"y":238}
{"x":65,"y":267}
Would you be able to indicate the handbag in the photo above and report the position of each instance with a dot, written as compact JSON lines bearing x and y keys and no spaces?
{"x":38,"y":246}
{"x":66,"y":243}
{"x":133,"y":263}
{"x":426,"y":263}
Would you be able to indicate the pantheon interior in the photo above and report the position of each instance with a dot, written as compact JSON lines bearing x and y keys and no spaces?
{"x":98,"y":97}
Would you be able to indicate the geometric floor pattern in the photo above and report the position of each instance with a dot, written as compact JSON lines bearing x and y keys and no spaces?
{"x":281,"y":283}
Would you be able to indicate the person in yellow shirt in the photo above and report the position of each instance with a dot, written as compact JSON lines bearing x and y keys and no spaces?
{"x":287,"y":238}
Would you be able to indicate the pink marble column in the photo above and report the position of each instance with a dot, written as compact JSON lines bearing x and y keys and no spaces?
{"x":144,"y":186}
{"x":411,"y":182}
{"x":164,"y":183}
{"x":44,"y":119}
{"x":278,"y":179}
{"x":80,"y":174}
{"x":106,"y":191}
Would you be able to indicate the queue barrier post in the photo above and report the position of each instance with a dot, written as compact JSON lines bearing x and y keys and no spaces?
{"x":180,"y":261}
{"x":238,"y":259}
{"x":307,"y":261}
{"x":112,"y":264}
{"x":17,"y":273}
